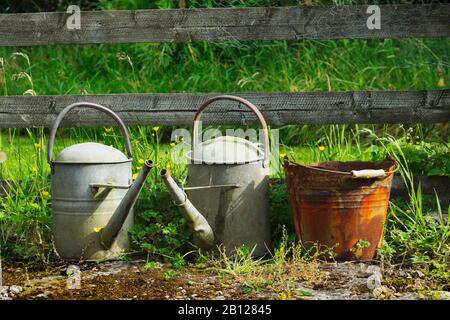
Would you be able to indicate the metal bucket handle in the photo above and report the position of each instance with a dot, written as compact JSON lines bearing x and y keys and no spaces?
{"x":123,"y":129}
{"x":245,"y":102}
{"x":356,"y":174}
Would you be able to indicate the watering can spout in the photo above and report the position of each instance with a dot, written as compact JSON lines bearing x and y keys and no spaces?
{"x":195,"y":219}
{"x":111,"y":230}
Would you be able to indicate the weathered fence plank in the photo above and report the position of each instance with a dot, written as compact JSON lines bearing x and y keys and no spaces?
{"x":427,"y":106}
{"x":225,"y":24}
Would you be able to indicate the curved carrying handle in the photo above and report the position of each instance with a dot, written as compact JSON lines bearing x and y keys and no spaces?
{"x":123,"y":129}
{"x":244,"y":102}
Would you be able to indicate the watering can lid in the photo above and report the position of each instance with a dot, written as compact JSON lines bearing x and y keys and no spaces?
{"x":226,"y":150}
{"x":90,"y":152}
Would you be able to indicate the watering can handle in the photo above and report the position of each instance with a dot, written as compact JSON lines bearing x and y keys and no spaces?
{"x":123,"y":129}
{"x":245,"y":102}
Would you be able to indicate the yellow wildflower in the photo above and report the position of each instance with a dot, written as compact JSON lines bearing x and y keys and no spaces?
{"x":321,"y":148}
{"x":282,"y":155}
{"x":97,"y":229}
{"x":110,"y":129}
{"x":135,"y":176}
{"x":37,"y":145}
{"x":173,"y":144}
{"x":141,"y":161}
{"x":155,"y":129}
{"x":45,"y":193}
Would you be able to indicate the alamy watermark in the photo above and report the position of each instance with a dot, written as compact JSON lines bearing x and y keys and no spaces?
{"x":73,"y":22}
{"x":230,"y":150}
{"x":373,"y":22}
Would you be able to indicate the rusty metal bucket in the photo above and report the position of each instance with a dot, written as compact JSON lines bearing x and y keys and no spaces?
{"x":340,"y":204}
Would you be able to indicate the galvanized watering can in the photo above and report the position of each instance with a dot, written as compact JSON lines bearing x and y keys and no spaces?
{"x":93,"y":194}
{"x":228,"y":191}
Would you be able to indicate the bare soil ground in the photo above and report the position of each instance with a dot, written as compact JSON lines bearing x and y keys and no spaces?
{"x":130,"y":280}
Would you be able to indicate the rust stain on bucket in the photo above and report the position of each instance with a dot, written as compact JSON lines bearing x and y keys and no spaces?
{"x":331,"y":207}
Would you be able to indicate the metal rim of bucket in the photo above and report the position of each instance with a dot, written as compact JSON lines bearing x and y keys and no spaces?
{"x":290,"y":162}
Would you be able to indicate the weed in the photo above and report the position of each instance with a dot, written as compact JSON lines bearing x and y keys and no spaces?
{"x":278,"y":274}
{"x":359,"y":245}
{"x":413,"y":238}
{"x":169,"y":274}
{"x":25,"y":226}
{"x":152,"y":265}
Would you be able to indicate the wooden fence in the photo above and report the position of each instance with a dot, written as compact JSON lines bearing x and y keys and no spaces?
{"x":278,"y":108}
{"x":225,"y":24}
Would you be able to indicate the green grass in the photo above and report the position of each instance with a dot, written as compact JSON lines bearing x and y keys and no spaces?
{"x":413,"y":238}
{"x":230,"y":67}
